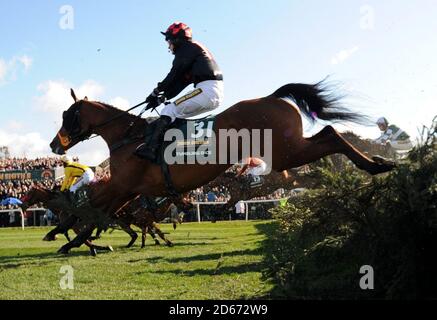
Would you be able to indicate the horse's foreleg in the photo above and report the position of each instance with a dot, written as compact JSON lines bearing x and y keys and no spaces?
{"x":328,"y":142}
{"x":80,"y":239}
{"x":61,"y":228}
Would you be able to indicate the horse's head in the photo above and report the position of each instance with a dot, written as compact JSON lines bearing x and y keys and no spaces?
{"x":75,"y":128}
{"x":34,"y":196}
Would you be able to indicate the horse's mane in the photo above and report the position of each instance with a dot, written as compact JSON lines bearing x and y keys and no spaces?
{"x":117,"y":110}
{"x":43,"y":189}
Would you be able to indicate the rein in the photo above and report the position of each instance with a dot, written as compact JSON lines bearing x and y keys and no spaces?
{"x":85,"y":136}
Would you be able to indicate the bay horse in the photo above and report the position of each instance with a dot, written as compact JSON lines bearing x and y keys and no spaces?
{"x":280,"y":112}
{"x":46,"y":196}
{"x":134,"y":213}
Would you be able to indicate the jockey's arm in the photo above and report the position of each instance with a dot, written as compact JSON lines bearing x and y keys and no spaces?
{"x":181,"y":65}
{"x":378,"y":140}
{"x":384,"y":137}
{"x":242,"y":170}
{"x":175,"y":89}
{"x":388,"y":135}
{"x":67,"y":180}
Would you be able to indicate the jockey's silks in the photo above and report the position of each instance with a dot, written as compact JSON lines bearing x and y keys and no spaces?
{"x":72,"y":171}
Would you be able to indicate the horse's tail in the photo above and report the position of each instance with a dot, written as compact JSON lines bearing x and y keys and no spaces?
{"x":317,"y":101}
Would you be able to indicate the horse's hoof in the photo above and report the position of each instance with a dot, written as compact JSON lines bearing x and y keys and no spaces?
{"x":170,"y":244}
{"x":383,"y":161}
{"x":384,"y":165}
{"x":93,"y":252}
{"x":157,"y":243}
{"x":110,"y":248}
{"x":49,"y":238}
{"x":63,"y":251}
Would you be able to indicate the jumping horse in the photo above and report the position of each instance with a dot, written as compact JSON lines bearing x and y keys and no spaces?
{"x":280,"y":112}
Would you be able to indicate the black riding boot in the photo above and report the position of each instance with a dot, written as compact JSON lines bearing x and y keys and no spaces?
{"x":150,"y":151}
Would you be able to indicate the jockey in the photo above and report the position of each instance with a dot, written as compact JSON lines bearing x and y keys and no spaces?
{"x":392,"y":135}
{"x":76,"y":175}
{"x":193,"y":64}
{"x":252,"y":168}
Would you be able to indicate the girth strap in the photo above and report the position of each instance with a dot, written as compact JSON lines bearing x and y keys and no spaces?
{"x":125,"y":142}
{"x":166,"y":172}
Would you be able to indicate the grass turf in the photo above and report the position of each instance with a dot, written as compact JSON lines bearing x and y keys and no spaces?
{"x":209,"y":261}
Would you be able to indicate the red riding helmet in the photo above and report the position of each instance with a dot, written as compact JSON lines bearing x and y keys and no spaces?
{"x":178,"y":31}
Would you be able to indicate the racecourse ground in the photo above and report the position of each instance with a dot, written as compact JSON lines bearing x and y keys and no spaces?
{"x":222,"y":260}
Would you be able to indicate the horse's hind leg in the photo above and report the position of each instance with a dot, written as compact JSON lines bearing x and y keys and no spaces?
{"x":143,"y":238}
{"x":126,"y":228}
{"x":162,"y":236}
{"x":153,"y":235}
{"x":67,"y":236}
{"x":97,"y":236}
{"x":329,"y":141}
{"x":94,"y":248}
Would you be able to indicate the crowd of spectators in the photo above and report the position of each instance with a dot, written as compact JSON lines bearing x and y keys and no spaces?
{"x":18,"y":188}
{"x":203,"y":194}
{"x":26,"y":164}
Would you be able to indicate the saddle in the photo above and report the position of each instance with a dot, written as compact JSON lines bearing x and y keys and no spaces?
{"x":256,"y":182}
{"x":193,"y":133}
{"x":251,"y":182}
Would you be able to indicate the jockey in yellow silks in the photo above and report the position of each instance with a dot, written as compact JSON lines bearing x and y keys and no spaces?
{"x":76,"y":175}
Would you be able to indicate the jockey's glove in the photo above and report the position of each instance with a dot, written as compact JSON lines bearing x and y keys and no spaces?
{"x":153,"y":95}
{"x":154,"y":101}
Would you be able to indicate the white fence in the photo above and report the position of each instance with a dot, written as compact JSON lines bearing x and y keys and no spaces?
{"x":23,"y":219}
{"x":246,"y":206}
{"x":16,"y":210}
{"x":196,"y":204}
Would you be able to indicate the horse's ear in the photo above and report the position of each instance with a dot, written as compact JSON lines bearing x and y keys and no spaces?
{"x":73,"y":95}
{"x":86,"y":98}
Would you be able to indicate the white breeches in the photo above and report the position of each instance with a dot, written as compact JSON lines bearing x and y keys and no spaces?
{"x":401,"y":145}
{"x":85,"y":179}
{"x":259,"y":170}
{"x":207,"y":96}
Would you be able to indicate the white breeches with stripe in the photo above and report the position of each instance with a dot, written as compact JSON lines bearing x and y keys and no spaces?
{"x":207,"y":96}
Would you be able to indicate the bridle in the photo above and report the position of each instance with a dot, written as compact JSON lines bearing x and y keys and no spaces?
{"x":75,"y":135}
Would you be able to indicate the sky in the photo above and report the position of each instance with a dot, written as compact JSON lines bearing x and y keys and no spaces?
{"x":382,"y":54}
